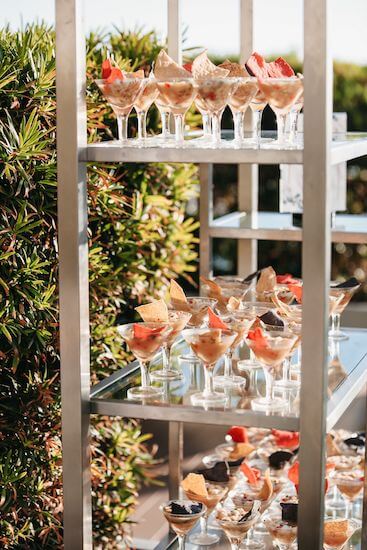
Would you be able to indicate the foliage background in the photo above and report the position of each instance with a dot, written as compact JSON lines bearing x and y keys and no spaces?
{"x":139,"y":238}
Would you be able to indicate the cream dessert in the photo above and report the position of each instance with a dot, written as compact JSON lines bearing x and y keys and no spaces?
{"x":236,"y":522}
{"x":182,"y":515}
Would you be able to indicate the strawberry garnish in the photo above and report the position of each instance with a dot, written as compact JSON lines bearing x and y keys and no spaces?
{"x":286,"y":439}
{"x":142,"y":332}
{"x":188,"y":67}
{"x":286,"y":279}
{"x":116,"y":74}
{"x":257,"y":336}
{"x":215,"y":321}
{"x":238,"y":434}
{"x":296,"y":289}
{"x":252,"y":474}
{"x":106,"y":68}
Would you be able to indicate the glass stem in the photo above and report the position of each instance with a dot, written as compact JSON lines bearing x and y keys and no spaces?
{"x":165,"y":357}
{"x":336,"y":322}
{"x":269,"y":382}
{"x":179,"y":133}
{"x":181,"y":542}
{"x":286,"y":369}
{"x":208,"y":377}
{"x":204,"y":525}
{"x":234,"y":546}
{"x":216,"y":127}
{"x":165,"y":123}
{"x":281,"y":122}
{"x":228,"y":364}
{"x":293,"y":121}
{"x":238,"y":130}
{"x":122,"y":127}
{"x":142,"y":125}
{"x":207,"y":127}
{"x":257,"y":117}
{"x":145,"y":381}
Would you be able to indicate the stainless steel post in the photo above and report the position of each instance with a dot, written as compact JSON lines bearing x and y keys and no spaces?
{"x":316,"y":271}
{"x":206,"y":217}
{"x":73,"y":277}
{"x":247,"y":173}
{"x":174,"y":37}
{"x":175,"y":452}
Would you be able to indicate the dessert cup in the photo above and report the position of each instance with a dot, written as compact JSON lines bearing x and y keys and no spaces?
{"x":177,"y":320}
{"x":337,"y":532}
{"x":344,"y":295}
{"x":215,"y":495}
{"x":237,"y":522}
{"x":178,"y":94}
{"x":144,"y":342}
{"x":209,"y":345}
{"x":283,"y":533}
{"x":254,"y":310}
{"x":182,"y":523}
{"x":350,"y":483}
{"x":281,"y":94}
{"x":212,"y":95}
{"x":271,"y":356}
{"x":141,"y":105}
{"x":287,"y":382}
{"x":121,"y":96}
{"x":239,"y":102}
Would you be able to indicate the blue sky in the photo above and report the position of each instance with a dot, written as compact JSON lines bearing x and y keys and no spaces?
{"x":278,"y":26}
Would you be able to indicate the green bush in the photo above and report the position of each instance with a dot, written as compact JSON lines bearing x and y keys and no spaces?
{"x":139,"y":238}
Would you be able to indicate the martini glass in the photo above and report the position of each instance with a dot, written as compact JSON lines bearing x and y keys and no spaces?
{"x":253,"y":310}
{"x":178,"y":94}
{"x":177,"y":320}
{"x":215,"y":494}
{"x":209,"y":344}
{"x":141,"y":105}
{"x":182,"y":523}
{"x":240,"y":322}
{"x":293,"y":123}
{"x":287,"y":382}
{"x":237,"y":522}
{"x":165,"y":137}
{"x":350,"y":483}
{"x":239,"y":102}
{"x":271,"y":355}
{"x":213,"y":95}
{"x":144,"y":341}
{"x":283,"y":533}
{"x":121,"y":96}
{"x":337,"y":532}
{"x":344,"y":295}
{"x":281,"y":94}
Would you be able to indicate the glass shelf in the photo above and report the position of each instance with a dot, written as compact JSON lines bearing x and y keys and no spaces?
{"x":345,"y":146}
{"x":276,"y":226}
{"x":346,"y":375}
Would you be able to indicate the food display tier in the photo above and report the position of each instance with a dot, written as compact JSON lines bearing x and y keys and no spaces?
{"x":344,"y":147}
{"x":346,"y":374}
{"x":275,"y":226}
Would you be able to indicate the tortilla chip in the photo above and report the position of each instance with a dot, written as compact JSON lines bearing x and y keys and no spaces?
{"x":165,"y":67}
{"x":266,"y":491}
{"x":241,"y":450}
{"x":233,"y":303}
{"x":331,"y":447}
{"x":195,"y":483}
{"x":176,"y":293}
{"x":267,"y":280}
{"x":154,"y":312}
{"x":213,"y":287}
{"x":202,"y":67}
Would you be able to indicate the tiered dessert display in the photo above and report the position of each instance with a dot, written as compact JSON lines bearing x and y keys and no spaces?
{"x":256,"y":325}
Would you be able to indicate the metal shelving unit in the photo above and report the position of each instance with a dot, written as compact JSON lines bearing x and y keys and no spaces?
{"x":316,"y":412}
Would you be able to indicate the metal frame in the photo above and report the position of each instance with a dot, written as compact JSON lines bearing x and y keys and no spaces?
{"x":318,"y":155}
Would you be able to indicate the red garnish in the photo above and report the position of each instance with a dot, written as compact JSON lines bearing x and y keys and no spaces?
{"x":258,"y":336}
{"x":286,"y":279}
{"x":296,"y":289}
{"x":211,"y":96}
{"x":252,"y":474}
{"x":188,"y":67}
{"x":238,"y":434}
{"x":215,"y":321}
{"x":143,"y":332}
{"x":256,"y":66}
{"x":279,"y":69}
{"x":167,"y":85}
{"x":106,"y":68}
{"x":286,"y":439}
{"x":116,"y":74}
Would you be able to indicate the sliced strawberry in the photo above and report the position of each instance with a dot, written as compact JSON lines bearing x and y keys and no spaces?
{"x":258,"y":336}
{"x":188,"y":67}
{"x":286,"y":439}
{"x":279,"y":69}
{"x":215,"y":321}
{"x":293,"y":473}
{"x":286,"y":279}
{"x":238,"y":434}
{"x":296,"y":289}
{"x":116,"y":74}
{"x":106,"y":68}
{"x":143,"y":332}
{"x":256,"y":65}
{"x":252,"y":474}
